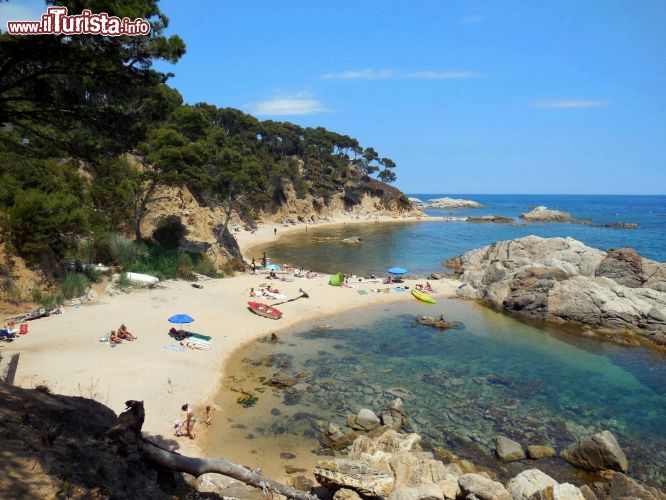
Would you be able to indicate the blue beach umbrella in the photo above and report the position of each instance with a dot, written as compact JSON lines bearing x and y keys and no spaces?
{"x":397,"y":270}
{"x":273,"y":267}
{"x":180,"y":319}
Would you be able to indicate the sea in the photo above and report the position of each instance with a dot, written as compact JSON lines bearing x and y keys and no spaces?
{"x":421,"y":247}
{"x":494,"y":374}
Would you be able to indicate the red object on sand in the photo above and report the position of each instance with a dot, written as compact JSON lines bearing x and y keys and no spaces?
{"x":23,"y":329}
{"x":265,"y":310}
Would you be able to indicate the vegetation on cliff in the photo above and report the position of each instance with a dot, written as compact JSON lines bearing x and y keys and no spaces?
{"x":90,"y":134}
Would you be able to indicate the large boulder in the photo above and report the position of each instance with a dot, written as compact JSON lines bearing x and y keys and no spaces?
{"x":354,"y":475}
{"x":562,"y":280}
{"x":482,"y":487}
{"x":598,"y":452}
{"x":528,"y":483}
{"x":508,"y":450}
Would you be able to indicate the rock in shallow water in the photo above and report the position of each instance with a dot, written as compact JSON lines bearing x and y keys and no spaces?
{"x":598,"y":452}
{"x":366,"y":420}
{"x":508,"y":450}
{"x":536,"y":452}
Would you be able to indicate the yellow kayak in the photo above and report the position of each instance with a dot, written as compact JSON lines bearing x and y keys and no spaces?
{"x":423,"y":296}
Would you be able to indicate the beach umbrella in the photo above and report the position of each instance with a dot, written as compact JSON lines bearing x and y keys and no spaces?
{"x":397,"y":270}
{"x":273,"y":267}
{"x":180,"y":319}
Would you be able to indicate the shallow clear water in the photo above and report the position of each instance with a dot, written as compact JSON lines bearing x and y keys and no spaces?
{"x":420,"y":247}
{"x":463,"y":387}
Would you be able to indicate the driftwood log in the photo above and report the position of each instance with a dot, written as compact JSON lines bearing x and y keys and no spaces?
{"x":126,"y":434}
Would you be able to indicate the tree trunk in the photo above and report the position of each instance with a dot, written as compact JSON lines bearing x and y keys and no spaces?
{"x":199,"y":466}
{"x":126,"y":435}
{"x":140,"y":209}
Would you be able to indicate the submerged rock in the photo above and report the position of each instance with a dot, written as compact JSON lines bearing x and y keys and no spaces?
{"x":598,"y":452}
{"x":508,"y":450}
{"x":437,"y":323}
{"x":535,"y":452}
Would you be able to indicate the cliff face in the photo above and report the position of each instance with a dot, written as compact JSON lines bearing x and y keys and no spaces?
{"x":204,"y":221}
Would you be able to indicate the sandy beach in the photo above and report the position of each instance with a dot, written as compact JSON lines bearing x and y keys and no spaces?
{"x":65,"y":353}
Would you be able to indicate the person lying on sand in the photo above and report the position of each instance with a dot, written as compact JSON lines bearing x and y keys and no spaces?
{"x":125,"y":334}
{"x":419,"y":286}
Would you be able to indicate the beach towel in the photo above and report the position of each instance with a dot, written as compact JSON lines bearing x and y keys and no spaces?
{"x":174,"y":347}
{"x":192,"y":340}
{"x":202,"y":337}
{"x":399,"y":289}
{"x":362,"y":292}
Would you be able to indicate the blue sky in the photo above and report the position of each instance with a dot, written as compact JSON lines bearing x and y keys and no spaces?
{"x":465,"y":96}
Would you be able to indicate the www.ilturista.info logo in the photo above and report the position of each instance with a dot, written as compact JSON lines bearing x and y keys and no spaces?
{"x":56,"y":22}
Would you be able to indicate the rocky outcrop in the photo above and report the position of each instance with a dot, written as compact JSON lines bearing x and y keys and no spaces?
{"x":394,"y":466}
{"x":451,"y":203}
{"x":393,"y":415}
{"x":482,"y":487}
{"x":543,"y":214}
{"x":598,"y":452}
{"x":621,"y":486}
{"x":563,"y":280}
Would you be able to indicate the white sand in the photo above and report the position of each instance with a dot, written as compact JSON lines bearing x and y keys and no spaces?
{"x":64,"y":351}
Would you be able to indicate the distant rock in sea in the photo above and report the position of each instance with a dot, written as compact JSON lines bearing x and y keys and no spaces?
{"x":563,"y":280}
{"x":484,"y":219}
{"x":544,"y":214}
{"x":450,"y":203}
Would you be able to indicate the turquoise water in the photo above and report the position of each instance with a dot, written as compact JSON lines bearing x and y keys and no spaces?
{"x":420,"y":247}
{"x":463,"y":387}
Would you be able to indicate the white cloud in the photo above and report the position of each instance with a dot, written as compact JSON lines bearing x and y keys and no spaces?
{"x":288,"y":106}
{"x":28,"y":11}
{"x":383,"y":74}
{"x":569,"y":103}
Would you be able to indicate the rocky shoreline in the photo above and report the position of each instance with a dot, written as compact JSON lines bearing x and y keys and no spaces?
{"x":618,"y":294}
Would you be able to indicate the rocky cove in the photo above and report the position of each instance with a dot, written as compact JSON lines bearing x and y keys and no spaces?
{"x":460,"y":389}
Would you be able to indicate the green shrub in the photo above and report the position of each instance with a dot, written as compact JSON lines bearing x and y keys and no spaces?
{"x":206,"y":267}
{"x":74,"y":285}
{"x":352,"y":196}
{"x":48,"y":301}
{"x":123,"y":283}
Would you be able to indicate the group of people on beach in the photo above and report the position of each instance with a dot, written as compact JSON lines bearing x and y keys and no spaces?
{"x":117,"y":336}
{"x":186,"y":428}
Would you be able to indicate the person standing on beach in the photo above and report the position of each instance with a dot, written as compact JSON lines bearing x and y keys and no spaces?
{"x":208,"y":416}
{"x":189,"y":421}
{"x":263,"y":260}
{"x":275,"y":231}
{"x":253,"y":265}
